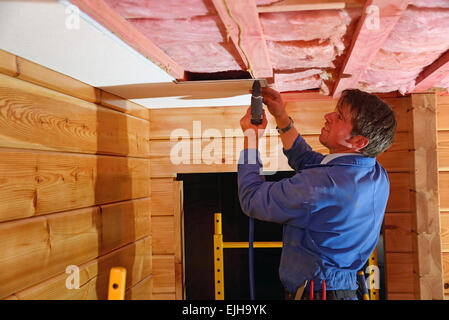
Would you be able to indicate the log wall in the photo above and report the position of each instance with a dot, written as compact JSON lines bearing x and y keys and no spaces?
{"x":77,"y":187}
{"x":74,"y":187}
{"x":194,"y":127}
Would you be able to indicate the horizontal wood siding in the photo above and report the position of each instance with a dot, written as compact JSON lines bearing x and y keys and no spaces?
{"x":74,"y":186}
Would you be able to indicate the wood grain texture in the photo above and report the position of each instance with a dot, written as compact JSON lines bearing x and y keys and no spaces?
{"x":143,"y":290}
{"x":164,"y":296}
{"x":164,"y":274}
{"x":444,"y":225}
{"x":443,"y":116}
{"x":443,"y":99}
{"x":241,"y":20}
{"x":398,"y":228}
{"x":400,"y":273}
{"x":443,"y":182}
{"x":163,"y":231}
{"x":42,"y":76}
{"x":124,"y":222}
{"x":123,"y":105}
{"x":401,"y":296}
{"x":446,"y":274}
{"x":33,"y":117}
{"x":76,"y":207}
{"x":443,"y":150}
{"x":35,"y":183}
{"x":169,"y":157}
{"x":26,"y":70}
{"x":41,"y":247}
{"x":308,"y":117}
{"x":178,"y":201}
{"x":300,"y":5}
{"x":424,"y":181}
{"x":399,"y":200}
{"x":162,"y":197}
{"x":94,"y":275}
{"x":377,"y":21}
{"x":8,"y":63}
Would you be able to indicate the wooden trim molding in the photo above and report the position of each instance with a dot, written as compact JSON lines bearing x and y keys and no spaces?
{"x":241,"y":19}
{"x":433,"y":74}
{"x":425,"y":198}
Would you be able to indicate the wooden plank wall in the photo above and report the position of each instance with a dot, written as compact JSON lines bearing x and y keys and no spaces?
{"x":74,"y":186}
{"x":169,"y":125}
{"x":443,"y":180}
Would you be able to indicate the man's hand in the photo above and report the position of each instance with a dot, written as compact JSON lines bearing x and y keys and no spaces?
{"x":276,"y":107}
{"x":251,"y":131}
{"x":273,"y":101}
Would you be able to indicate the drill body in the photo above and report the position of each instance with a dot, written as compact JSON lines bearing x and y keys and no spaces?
{"x":256,"y":104}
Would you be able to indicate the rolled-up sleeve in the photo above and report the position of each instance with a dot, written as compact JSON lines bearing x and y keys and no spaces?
{"x":287,"y":201}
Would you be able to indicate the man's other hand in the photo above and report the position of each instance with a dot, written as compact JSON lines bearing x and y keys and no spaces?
{"x":273,"y":100}
{"x":251,"y":131}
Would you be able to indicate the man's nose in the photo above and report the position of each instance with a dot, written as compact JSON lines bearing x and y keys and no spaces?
{"x":328,"y":116}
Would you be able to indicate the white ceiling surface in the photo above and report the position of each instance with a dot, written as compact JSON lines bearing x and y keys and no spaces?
{"x":38,"y":31}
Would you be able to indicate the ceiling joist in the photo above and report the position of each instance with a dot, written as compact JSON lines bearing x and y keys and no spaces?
{"x":115,"y":23}
{"x":241,"y":20}
{"x":376,"y":23}
{"x":306,"y":5}
{"x":433,"y":74}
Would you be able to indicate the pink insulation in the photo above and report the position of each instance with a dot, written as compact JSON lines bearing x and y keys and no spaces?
{"x":181,"y":31}
{"x":204,"y":57}
{"x":193,"y":35}
{"x":287,"y":55}
{"x":305,"y":39}
{"x":443,"y":83}
{"x":305,"y":25}
{"x":305,"y":47}
{"x":298,"y":81}
{"x":161,"y":9}
{"x":430,"y":3}
{"x":418,"y":39}
{"x":198,"y":43}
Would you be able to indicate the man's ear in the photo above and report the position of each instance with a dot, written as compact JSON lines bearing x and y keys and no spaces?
{"x":359,"y":142}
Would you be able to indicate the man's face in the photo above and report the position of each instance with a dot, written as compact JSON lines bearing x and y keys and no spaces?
{"x":336,"y":133}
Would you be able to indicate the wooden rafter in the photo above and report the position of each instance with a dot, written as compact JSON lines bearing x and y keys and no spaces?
{"x":304,"y":5}
{"x":241,"y":20}
{"x":115,"y":23}
{"x":433,"y":74}
{"x":378,"y":19}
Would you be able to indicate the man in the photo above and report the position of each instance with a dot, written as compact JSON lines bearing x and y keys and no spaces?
{"x":332,"y":208}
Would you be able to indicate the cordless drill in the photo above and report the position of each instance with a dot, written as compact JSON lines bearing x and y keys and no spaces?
{"x":256,"y":104}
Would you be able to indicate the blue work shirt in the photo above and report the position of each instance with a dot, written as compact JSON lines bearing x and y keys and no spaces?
{"x":332,"y":213}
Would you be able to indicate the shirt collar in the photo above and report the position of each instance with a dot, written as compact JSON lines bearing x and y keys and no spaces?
{"x":333,"y":156}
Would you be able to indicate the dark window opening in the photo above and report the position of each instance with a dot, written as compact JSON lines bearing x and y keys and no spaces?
{"x":209,"y":193}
